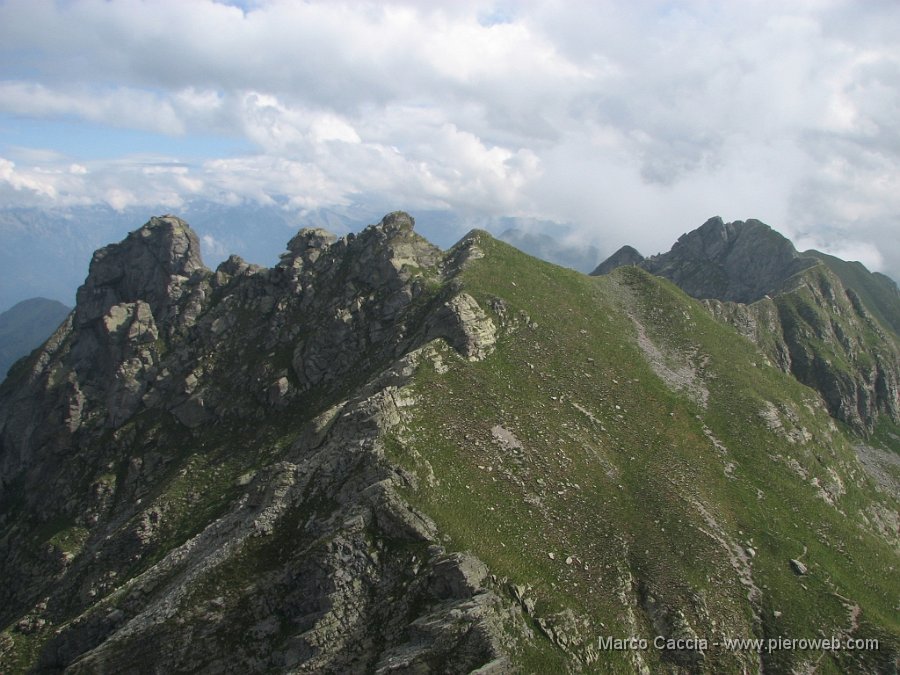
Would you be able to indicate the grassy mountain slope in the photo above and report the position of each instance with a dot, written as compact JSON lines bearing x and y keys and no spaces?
{"x":634,"y":503}
{"x":555,"y":249}
{"x":830,"y":323}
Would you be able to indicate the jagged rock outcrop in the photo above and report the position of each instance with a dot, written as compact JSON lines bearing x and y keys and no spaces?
{"x":99,"y":365}
{"x":157,"y":379}
{"x":153,"y":265}
{"x":796,"y":307}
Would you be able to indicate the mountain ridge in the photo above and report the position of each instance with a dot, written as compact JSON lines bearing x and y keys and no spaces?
{"x":379,"y":456}
{"x":46,"y":250}
{"x":879,"y":292}
{"x":741,"y":261}
{"x":830,"y":323}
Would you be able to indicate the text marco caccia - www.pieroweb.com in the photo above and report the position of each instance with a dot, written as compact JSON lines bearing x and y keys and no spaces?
{"x":769,"y":645}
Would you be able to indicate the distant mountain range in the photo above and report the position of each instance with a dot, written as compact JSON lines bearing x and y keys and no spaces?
{"x":26,"y":326}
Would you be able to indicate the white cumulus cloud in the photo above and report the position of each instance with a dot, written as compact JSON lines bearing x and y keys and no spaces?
{"x":632,"y":121}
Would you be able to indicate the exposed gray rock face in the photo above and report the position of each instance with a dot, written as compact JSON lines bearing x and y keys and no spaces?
{"x":798,"y":567}
{"x":97,"y":367}
{"x":152,"y":264}
{"x":189,"y":525}
{"x":337,"y":594}
{"x":463,"y":323}
{"x":816,"y":330}
{"x":877,"y":292}
{"x":740,"y":261}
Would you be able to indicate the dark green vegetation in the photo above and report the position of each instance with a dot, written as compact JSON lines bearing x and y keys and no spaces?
{"x":312,"y":448}
{"x":25,"y":326}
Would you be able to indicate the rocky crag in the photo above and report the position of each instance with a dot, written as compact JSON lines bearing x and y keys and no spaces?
{"x":164,"y":359}
{"x":377,"y":456}
{"x":829,"y":323}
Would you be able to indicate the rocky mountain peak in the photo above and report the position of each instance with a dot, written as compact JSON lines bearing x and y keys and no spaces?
{"x":730,"y":244}
{"x":398,"y":221}
{"x":715,"y":226}
{"x":394,"y":227}
{"x":391,"y":241}
{"x":741,"y":261}
{"x":151,"y":265}
{"x":233,"y":266}
{"x":389,"y":250}
{"x":753,"y":277}
{"x":310,"y":238}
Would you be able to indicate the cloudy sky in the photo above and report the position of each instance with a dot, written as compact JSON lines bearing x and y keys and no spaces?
{"x":632,"y":121}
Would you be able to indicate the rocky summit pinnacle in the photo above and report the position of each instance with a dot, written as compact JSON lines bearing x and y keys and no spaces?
{"x":398,"y":221}
{"x":310,"y":238}
{"x":151,"y":265}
